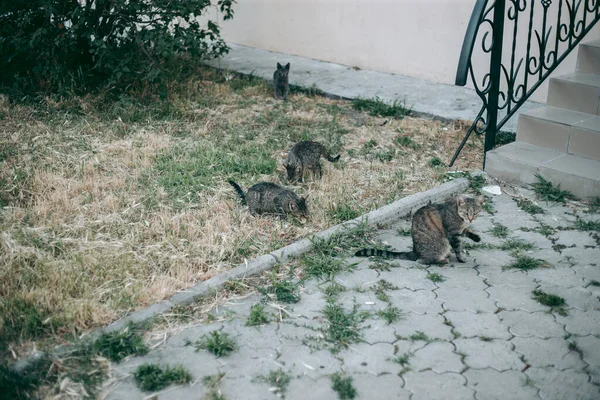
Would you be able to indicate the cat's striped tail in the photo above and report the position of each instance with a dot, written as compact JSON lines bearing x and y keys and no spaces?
{"x":401,"y":255}
{"x":239,"y":190}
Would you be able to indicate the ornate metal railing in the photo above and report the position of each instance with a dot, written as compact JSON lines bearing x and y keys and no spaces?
{"x":541,"y":34}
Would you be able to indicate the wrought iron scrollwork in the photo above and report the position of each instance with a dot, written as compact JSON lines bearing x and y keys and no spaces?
{"x":553,"y":29}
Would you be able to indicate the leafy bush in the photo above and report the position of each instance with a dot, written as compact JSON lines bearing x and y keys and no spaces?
{"x":68,"y":45}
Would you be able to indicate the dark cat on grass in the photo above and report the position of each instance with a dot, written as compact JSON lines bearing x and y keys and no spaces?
{"x":305,"y":157}
{"x":269,"y":198}
{"x":281,"y":81}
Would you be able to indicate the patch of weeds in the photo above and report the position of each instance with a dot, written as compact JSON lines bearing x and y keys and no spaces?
{"x":516,"y":245}
{"x":407,"y":141}
{"x":278,"y":380}
{"x":324,"y":266}
{"x":419,"y":336}
{"x":213,"y":384}
{"x":548,"y":192}
{"x":333,"y":290}
{"x":381,"y":264}
{"x":218,"y":343}
{"x":573,"y":346}
{"x":379,"y":289}
{"x":587,"y":225}
{"x":390,"y":314}
{"x":593,"y":205}
{"x":22,"y":385}
{"x":257,"y":316}
{"x":488,"y":206}
{"x":594,"y":283}
{"x":343,"y":386}
{"x":377,"y":108}
{"x":478,"y":246}
{"x":436,"y":162}
{"x":526,"y":263}
{"x":370,"y":144}
{"x":529,"y":206}
{"x":404,"y":231}
{"x":343,"y":212}
{"x":403,"y":359}
{"x":476,"y":183}
{"x":545,"y":230}
{"x":286,"y":291}
{"x":435,"y":277}
{"x":119,"y":344}
{"x":499,"y":230}
{"x":485,"y":339}
{"x":152,"y":377}
{"x":343,"y":327}
{"x":556,"y":303}
{"x":385,"y":156}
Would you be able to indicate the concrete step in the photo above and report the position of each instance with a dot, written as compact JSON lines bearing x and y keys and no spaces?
{"x":576,"y":91}
{"x":588,"y":58}
{"x":561,"y":130}
{"x":519,"y":162}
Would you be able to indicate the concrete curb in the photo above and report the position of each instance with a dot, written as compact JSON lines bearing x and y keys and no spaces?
{"x":384,"y":215}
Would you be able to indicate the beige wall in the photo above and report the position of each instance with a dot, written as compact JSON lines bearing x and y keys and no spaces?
{"x":419,"y":38}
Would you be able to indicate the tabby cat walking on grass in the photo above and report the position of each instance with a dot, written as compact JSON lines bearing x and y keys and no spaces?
{"x":436,"y":228}
{"x":269,"y":198}
{"x":281,"y":81}
{"x":305,"y":157}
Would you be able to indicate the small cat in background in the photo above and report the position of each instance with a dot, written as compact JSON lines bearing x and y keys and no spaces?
{"x":435,"y":229}
{"x":304,"y":157}
{"x":281,"y":81}
{"x":269,"y":198}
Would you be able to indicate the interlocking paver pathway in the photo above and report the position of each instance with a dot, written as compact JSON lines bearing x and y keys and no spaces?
{"x":480,"y":334}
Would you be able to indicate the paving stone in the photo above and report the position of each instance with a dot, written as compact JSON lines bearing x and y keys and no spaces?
{"x":362,"y":278}
{"x":413,"y":278}
{"x":123,"y":389}
{"x":391,"y":237}
{"x":556,"y":217}
{"x":495,"y":354}
{"x":558,"y":276}
{"x":247,"y":362}
{"x":379,"y":331}
{"x":575,"y":297}
{"x":559,"y":385}
{"x":458,"y":299}
{"x":432,"y":325}
{"x":428,"y":385}
{"x":246,"y":388}
{"x":588,"y":272}
{"x":540,"y":241}
{"x":365,"y":358}
{"x":470,"y":324}
{"x":510,"y":298}
{"x":417,"y":301}
{"x":460,"y":277}
{"x":490,"y":384}
{"x":538,"y":324}
{"x":553,"y":352}
{"x":194,"y":390}
{"x":495,"y":276}
{"x":438,"y":357}
{"x":303,"y":361}
{"x":594,"y":373}
{"x":192,"y":333}
{"x":577,"y":239}
{"x":304,"y":387}
{"x":517,"y":220}
{"x":382,"y":387}
{"x":590,"y":349}
{"x":581,"y":322}
{"x":265,"y":336}
{"x":578,"y":257}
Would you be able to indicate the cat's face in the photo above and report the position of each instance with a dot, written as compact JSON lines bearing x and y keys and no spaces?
{"x":469,"y":208}
{"x":298,"y":207}
{"x":283,"y":71}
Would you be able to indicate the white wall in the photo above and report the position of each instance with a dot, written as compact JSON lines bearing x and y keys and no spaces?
{"x":419,"y":38}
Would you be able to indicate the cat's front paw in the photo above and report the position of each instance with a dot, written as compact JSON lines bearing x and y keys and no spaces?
{"x":474,"y":237}
{"x":461,"y":258}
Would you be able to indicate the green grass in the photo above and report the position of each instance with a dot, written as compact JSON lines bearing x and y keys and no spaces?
{"x":500,"y":231}
{"x":529,"y":207}
{"x":218,"y":343}
{"x":556,"y":303}
{"x":404,"y":231}
{"x":213,"y":383}
{"x":595,"y":283}
{"x":23,"y":385}
{"x":407,"y":141}
{"x":380,"y":289}
{"x":476,"y":183}
{"x":435,"y":277}
{"x":419,"y":336}
{"x":485,"y":339}
{"x":516,"y":245}
{"x":152,"y":377}
{"x":322,"y":266}
{"x":390,"y":314}
{"x":257,"y":316}
{"x":378,"y":108}
{"x":403,"y":359}
{"x":333,"y":289}
{"x":587,"y":225}
{"x":279,"y":380}
{"x":546,"y":191}
{"x":343,"y":327}
{"x":526,"y":263}
{"x":119,"y":344}
{"x":436,"y":162}
{"x":573,"y":346}
{"x":343,"y":386}
{"x":343,"y":212}
{"x":488,"y":206}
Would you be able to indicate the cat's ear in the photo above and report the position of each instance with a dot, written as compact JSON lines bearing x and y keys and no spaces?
{"x":287,"y":66}
{"x":460,"y":199}
{"x":479,"y":200}
{"x":279,"y":66}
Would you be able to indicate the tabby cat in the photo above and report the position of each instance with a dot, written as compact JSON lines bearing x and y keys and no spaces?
{"x":435,"y":229}
{"x":281,"y":81}
{"x":305,"y":157}
{"x":269,"y":198}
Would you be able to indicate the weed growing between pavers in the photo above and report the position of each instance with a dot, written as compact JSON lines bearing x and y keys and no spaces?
{"x":322,"y":266}
{"x":404,"y":232}
{"x":500,"y":231}
{"x":343,"y":327}
{"x":257,"y":316}
{"x":529,"y":206}
{"x":435,"y":277}
{"x":390,"y":314}
{"x":526,"y":263}
{"x":119,"y":344}
{"x":152,"y":377}
{"x":587,"y":225}
{"x":218,"y":343}
{"x":381,"y":264}
{"x":403,"y":359}
{"x":213,"y":385}
{"x":515,"y":245}
{"x":377,"y":107}
{"x":485,"y":339}
{"x":279,"y":381}
{"x":343,"y":212}
{"x":594,"y":283}
{"x":548,"y":192}
{"x":283,"y":290}
{"x":380,"y":289}
{"x":419,"y":336}
{"x":556,"y":303}
{"x":343,"y":386}
{"x":332,"y":290}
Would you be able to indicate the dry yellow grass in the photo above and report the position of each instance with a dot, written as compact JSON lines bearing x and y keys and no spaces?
{"x":91,"y":231}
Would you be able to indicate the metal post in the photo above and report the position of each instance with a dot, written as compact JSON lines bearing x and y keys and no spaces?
{"x":495,"y":71}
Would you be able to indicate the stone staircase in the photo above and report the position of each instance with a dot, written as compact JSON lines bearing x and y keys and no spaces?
{"x":560,"y":141}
